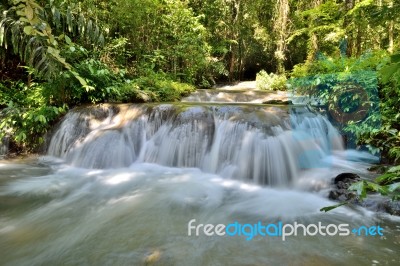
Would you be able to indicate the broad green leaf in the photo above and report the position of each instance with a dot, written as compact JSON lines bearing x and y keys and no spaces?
{"x":28,"y":30}
{"x":29,"y":12}
{"x":21,"y":13}
{"x":394,"y":169}
{"x":329,"y":208}
{"x":377,"y":188}
{"x":388,"y":71}
{"x":386,"y":178}
{"x":360,"y":187}
{"x":41,"y":118}
{"x":68,"y":40}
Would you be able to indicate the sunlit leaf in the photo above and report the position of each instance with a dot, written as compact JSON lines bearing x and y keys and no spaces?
{"x":361,"y":188}
{"x":29,"y":12}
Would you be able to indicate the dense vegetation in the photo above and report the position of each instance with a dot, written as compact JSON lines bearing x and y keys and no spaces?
{"x":56,"y":54}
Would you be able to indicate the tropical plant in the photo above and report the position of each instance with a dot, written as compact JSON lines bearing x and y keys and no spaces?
{"x":27,"y":116}
{"x":265,"y":81}
{"x":37,"y":35}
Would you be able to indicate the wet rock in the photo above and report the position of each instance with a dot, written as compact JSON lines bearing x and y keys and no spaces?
{"x":276,"y":101}
{"x":379,"y":203}
{"x":341,"y":184}
{"x":392,"y":207}
{"x":344,"y":180}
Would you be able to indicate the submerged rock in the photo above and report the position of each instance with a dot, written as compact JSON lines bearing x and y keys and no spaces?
{"x":379,"y":203}
{"x":392,"y":207}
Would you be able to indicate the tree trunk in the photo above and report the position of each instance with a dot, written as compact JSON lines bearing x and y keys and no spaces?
{"x":359,"y":41}
{"x":390,"y":31}
{"x":313,"y":41}
{"x":281,"y":23}
{"x":349,"y":5}
{"x":234,"y":36}
{"x":313,"y":47}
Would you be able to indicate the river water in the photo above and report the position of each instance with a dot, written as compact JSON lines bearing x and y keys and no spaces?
{"x":120,"y":183}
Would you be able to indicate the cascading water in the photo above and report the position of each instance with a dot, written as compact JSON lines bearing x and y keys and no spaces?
{"x":121,"y":183}
{"x":268,"y":145}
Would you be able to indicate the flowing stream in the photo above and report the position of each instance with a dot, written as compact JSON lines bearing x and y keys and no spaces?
{"x":120,"y":183}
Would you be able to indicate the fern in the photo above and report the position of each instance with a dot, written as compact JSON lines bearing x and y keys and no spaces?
{"x":36,"y":33}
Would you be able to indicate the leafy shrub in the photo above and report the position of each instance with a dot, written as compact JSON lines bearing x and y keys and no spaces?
{"x":265,"y":81}
{"x":327,"y":65}
{"x":387,"y":138}
{"x":26,"y":116}
{"x":162,"y":88}
{"x":349,"y":87}
{"x":387,"y":184}
{"x":129,"y":92}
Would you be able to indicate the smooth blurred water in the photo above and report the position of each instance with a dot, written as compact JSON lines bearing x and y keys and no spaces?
{"x":121,"y":182}
{"x":52,"y":214}
{"x":256,"y":143}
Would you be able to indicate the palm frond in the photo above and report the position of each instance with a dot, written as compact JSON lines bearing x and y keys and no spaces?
{"x":32,"y":32}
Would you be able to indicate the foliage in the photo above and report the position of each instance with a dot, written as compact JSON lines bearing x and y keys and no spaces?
{"x":387,"y":137}
{"x":380,"y":131}
{"x":369,"y":61}
{"x":35,"y":33}
{"x":26,"y":116}
{"x":163,"y":89}
{"x":66,"y":67}
{"x":387,"y":184}
{"x":349,"y":87}
{"x":265,"y":81}
{"x":329,"y":208}
{"x":164,"y":36}
{"x":341,"y":84}
{"x":100,"y":79}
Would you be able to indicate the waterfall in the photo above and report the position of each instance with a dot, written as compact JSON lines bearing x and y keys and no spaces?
{"x":133,"y":176}
{"x":257,"y":143}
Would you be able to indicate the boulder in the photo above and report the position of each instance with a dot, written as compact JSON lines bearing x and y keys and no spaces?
{"x":341,"y":184}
